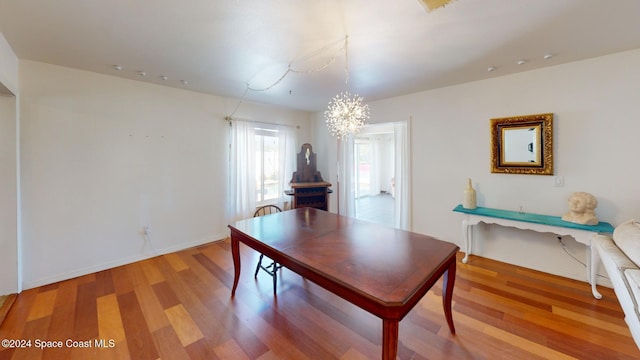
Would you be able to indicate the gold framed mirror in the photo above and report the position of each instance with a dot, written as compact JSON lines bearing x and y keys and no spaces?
{"x":522,"y":144}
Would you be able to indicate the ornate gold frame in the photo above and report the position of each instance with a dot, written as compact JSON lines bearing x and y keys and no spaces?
{"x":544,"y":163}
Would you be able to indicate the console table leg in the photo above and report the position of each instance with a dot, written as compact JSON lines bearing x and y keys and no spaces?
{"x":390,"y":339}
{"x":466,"y":238}
{"x":594,"y":260}
{"x":235,"y":252}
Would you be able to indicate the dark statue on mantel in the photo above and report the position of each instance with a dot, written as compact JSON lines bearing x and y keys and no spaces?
{"x":307,"y":187}
{"x":306,"y":165}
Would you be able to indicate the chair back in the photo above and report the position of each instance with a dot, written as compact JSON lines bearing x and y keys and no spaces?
{"x":266,"y":210}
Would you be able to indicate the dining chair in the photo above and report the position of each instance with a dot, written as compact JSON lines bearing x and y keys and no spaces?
{"x":273,"y":268}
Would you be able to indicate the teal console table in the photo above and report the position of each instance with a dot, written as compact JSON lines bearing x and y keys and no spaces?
{"x":536,"y":222}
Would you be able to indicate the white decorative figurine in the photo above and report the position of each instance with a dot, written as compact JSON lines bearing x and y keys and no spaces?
{"x":582,"y":207}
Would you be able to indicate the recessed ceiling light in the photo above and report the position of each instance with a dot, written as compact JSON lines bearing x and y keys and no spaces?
{"x":491,"y":68}
{"x":184,"y":82}
{"x":521,"y":62}
{"x":142,"y":73}
{"x":548,"y":56}
{"x":117,"y":67}
{"x":163,"y":77}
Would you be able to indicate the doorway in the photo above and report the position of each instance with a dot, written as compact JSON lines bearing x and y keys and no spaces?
{"x":378,"y":160}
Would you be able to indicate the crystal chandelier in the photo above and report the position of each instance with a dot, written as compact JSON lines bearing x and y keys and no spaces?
{"x":347,"y":112}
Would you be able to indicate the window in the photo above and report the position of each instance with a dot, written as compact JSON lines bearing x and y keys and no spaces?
{"x":267,"y":165}
{"x":261,"y":162}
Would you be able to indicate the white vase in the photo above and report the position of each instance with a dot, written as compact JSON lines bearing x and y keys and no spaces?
{"x":469,"y":201}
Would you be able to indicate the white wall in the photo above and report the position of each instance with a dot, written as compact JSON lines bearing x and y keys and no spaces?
{"x":387,"y":157}
{"x":596,"y":146}
{"x":102,"y":157}
{"x":8,"y":172}
{"x":8,"y":66}
{"x":8,"y":197}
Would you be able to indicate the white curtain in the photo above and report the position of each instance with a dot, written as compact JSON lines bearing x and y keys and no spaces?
{"x":287,"y":161}
{"x":402,"y":175}
{"x":241,"y":197}
{"x":346,"y":176}
{"x":376,"y":143}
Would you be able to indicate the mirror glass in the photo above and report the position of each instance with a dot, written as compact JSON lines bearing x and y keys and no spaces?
{"x":522,"y":144}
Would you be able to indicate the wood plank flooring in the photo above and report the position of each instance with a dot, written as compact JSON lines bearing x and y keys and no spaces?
{"x":178,"y":306}
{"x":5,"y":304}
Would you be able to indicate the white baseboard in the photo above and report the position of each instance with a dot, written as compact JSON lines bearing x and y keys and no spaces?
{"x":111,"y":264}
{"x":601,"y":281}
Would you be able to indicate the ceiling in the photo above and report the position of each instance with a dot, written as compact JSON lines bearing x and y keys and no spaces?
{"x":395,"y":47}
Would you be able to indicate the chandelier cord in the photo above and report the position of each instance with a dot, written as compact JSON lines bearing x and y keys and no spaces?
{"x":291,"y":69}
{"x":347,"y":112}
{"x":346,"y":61}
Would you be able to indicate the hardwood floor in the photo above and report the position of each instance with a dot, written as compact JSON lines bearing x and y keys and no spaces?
{"x":178,"y":306}
{"x":5,"y":304}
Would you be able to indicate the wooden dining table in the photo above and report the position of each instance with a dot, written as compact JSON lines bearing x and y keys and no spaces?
{"x":383,"y":270}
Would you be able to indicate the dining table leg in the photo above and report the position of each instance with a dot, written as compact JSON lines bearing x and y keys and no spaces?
{"x":449,"y":279}
{"x":235,"y":252}
{"x":390,"y":339}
